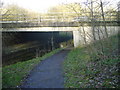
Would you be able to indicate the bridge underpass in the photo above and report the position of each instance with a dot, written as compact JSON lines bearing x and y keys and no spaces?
{"x":51,"y":26}
{"x":80,"y":31}
{"x":77,"y":32}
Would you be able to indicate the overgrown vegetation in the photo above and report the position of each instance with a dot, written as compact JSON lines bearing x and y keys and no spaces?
{"x":88,"y":67}
{"x":13,"y":75}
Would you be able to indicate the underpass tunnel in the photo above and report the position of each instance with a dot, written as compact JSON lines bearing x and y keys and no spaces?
{"x":27,"y":45}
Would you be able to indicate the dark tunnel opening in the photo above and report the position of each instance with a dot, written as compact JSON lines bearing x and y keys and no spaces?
{"x":21,"y":46}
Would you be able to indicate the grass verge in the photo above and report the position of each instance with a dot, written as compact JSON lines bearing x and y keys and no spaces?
{"x":13,"y":75}
{"x":85,"y":70}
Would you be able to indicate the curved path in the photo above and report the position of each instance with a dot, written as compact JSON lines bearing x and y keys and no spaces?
{"x":48,"y":73}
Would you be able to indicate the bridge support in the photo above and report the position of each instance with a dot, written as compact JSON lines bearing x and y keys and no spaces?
{"x":76,"y":37}
{"x":79,"y":37}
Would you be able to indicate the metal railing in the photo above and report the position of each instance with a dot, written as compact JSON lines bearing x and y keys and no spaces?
{"x":19,"y":18}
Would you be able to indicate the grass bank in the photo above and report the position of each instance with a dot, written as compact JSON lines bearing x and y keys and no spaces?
{"x":85,"y":67}
{"x":13,"y":75}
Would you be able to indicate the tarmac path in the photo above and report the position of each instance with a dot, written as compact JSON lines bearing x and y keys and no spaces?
{"x":48,"y":73}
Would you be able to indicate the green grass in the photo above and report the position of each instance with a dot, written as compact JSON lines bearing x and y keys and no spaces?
{"x":83,"y":66}
{"x":13,"y":75}
{"x":75,"y":67}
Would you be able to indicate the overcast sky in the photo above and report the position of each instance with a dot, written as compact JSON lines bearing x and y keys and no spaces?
{"x":43,"y":5}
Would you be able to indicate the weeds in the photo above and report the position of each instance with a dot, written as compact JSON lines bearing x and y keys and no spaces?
{"x":88,"y":68}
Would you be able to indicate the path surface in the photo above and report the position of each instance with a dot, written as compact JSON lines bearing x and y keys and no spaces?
{"x":48,"y":73}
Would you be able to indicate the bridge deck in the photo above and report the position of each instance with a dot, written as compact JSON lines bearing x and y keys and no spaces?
{"x":55,"y":24}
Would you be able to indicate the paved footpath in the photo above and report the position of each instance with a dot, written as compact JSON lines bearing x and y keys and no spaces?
{"x":48,"y":73}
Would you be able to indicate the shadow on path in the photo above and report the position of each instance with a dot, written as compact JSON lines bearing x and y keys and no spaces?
{"x":48,"y":73}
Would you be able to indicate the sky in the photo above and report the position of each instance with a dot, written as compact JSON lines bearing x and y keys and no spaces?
{"x":43,"y":5}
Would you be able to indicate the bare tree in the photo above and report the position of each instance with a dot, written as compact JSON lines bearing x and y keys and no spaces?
{"x":102,"y":11}
{"x":118,"y":13}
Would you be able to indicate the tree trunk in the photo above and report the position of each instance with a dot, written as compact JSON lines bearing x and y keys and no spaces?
{"x":103,"y":17}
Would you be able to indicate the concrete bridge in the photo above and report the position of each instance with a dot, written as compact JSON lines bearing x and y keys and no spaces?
{"x":76,"y":27}
{"x":54,"y":20}
{"x":78,"y":32}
